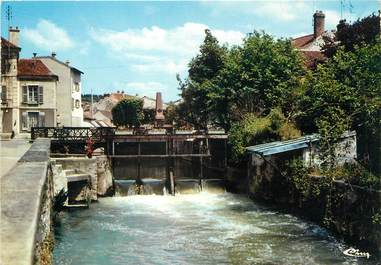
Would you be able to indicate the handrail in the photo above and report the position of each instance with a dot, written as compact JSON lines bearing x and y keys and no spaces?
{"x":73,"y":133}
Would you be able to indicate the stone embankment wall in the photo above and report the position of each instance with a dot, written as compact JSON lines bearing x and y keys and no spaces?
{"x":26,"y":197}
{"x":351,"y":211}
{"x":97,"y":167}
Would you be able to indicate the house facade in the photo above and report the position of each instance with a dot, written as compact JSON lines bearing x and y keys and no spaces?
{"x":32,"y":94}
{"x":9,"y":83}
{"x":69,"y":106}
{"x":37,"y":95}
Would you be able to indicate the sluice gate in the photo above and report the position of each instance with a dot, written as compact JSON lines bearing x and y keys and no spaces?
{"x":150,"y":163}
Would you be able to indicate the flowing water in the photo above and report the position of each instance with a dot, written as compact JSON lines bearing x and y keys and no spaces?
{"x":191,"y":229}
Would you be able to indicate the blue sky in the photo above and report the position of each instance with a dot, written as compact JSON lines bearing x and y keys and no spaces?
{"x":139,"y":46}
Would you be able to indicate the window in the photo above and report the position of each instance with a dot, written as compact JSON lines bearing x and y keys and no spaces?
{"x":77,"y":103}
{"x":33,"y":94}
{"x":32,"y":119}
{"x":3,"y":94}
{"x":76,"y":86}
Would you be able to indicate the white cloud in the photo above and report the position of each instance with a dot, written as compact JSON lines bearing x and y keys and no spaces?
{"x":157,"y":49}
{"x":48,"y":36}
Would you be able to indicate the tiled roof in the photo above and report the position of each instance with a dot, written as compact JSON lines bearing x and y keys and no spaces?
{"x":312,"y":58}
{"x":6,"y":44}
{"x":33,"y":68}
{"x":302,"y":41}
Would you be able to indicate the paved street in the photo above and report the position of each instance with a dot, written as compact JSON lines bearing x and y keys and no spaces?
{"x":10,"y":153}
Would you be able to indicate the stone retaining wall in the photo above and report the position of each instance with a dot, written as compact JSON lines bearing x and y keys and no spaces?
{"x":350,"y":211}
{"x":26,"y":195}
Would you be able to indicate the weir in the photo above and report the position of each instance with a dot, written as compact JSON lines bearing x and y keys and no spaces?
{"x":170,"y":162}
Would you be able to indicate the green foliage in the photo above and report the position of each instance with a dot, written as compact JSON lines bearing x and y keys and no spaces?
{"x":171,"y":114}
{"x":87,"y":97}
{"x":349,"y":36}
{"x":344,"y":94}
{"x":256,"y":130}
{"x":298,"y":176}
{"x":148,"y":116}
{"x":128,"y":112}
{"x":203,"y":69}
{"x":356,"y":174}
{"x":225,"y":84}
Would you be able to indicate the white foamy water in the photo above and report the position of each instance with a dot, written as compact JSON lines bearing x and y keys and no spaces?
{"x":191,"y":229}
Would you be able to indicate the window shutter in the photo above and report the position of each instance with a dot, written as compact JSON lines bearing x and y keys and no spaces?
{"x":4,"y":93}
{"x":25,"y":94}
{"x":40,"y":95}
{"x":24,"y":120}
{"x":41,"y":119}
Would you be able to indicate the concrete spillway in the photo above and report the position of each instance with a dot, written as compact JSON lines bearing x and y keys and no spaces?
{"x":160,"y":186}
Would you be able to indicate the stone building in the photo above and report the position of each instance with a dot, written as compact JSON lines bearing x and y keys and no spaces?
{"x":69,"y":107}
{"x":30,"y":89}
{"x":9,"y":84}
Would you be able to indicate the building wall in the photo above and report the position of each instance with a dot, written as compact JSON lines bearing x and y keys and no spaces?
{"x":64,"y":90}
{"x":77,"y":111}
{"x":10,"y":106}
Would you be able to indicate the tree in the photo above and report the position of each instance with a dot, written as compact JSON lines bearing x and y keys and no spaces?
{"x":344,"y":94}
{"x":203,"y":69}
{"x":128,"y":112}
{"x":349,"y":36}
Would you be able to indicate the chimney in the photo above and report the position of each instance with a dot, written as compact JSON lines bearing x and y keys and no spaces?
{"x":54,"y":54}
{"x":159,"y":108}
{"x":318,"y":23}
{"x":14,"y":36}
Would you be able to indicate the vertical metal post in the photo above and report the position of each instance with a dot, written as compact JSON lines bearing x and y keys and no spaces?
{"x":139,"y":160}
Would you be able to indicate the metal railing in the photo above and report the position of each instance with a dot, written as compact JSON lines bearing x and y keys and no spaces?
{"x":98,"y":134}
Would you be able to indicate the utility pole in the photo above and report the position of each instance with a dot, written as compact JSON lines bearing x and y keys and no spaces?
{"x":92,"y":102}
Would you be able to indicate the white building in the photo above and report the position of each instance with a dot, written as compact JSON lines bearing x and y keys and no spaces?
{"x":69,"y":107}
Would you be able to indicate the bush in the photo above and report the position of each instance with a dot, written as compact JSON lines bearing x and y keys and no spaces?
{"x":253,"y":130}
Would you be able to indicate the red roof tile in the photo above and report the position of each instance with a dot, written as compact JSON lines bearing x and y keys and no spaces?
{"x":312,"y":58}
{"x":302,"y":41}
{"x":33,"y":68}
{"x":6,"y":44}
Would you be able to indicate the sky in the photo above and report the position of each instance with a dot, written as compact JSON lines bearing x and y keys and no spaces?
{"x":139,"y":47}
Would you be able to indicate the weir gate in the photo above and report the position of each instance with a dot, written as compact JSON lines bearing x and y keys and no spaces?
{"x":149,"y":162}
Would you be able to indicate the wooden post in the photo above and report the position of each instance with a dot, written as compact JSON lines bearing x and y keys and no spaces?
{"x":172,"y":181}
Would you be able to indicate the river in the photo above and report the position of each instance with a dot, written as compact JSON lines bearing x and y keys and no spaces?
{"x":191,"y":229}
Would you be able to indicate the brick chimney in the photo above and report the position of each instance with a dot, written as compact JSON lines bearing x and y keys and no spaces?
{"x":159,"y":117}
{"x":13,"y":36}
{"x":318,"y":23}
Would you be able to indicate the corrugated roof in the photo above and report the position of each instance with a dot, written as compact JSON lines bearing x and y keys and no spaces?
{"x":282,"y":146}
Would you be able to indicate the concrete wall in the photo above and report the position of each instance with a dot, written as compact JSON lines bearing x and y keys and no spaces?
{"x":26,"y":193}
{"x":97,"y":167}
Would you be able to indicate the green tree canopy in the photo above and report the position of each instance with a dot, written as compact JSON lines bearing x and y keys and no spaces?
{"x":128,"y":112}
{"x":203,"y":70}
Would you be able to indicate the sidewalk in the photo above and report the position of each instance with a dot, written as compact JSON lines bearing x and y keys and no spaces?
{"x":10,"y":152}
